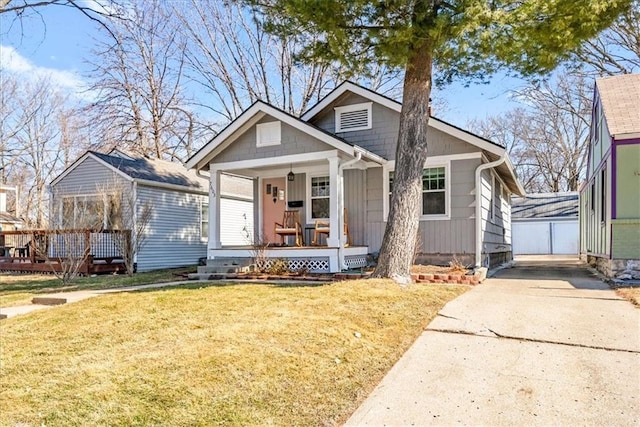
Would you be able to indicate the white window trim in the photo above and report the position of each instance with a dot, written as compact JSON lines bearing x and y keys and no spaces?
{"x":204,"y":202}
{"x":263,"y":129}
{"x":354,"y":107}
{"x":309,"y":219}
{"x":430,"y":163}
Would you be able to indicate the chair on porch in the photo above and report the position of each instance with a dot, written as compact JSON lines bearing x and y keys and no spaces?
{"x":323,"y":227}
{"x":290,"y":226}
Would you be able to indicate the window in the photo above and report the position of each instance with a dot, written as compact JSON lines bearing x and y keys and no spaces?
{"x":603,"y":195}
{"x":592,"y":196}
{"x":91,"y":211}
{"x":353,"y":117}
{"x":497,"y":191}
{"x":204,"y":220}
{"x":434,"y":191}
{"x":320,"y":190}
{"x":268,"y":134}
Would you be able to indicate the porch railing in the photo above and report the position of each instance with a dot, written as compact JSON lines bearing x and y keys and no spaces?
{"x":39,"y":246}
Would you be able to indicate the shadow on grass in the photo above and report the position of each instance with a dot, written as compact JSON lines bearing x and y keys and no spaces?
{"x":223,"y":284}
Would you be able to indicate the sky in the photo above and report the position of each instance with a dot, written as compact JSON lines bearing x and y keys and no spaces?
{"x":59,"y":42}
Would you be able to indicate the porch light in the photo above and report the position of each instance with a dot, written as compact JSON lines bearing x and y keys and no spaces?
{"x":291,"y":176}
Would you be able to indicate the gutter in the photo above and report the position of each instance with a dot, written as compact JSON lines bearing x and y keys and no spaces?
{"x":479,"y":170}
{"x":343,"y":265}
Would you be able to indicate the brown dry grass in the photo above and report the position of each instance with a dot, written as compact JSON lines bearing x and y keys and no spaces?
{"x":227,"y":354}
{"x":19,"y":289}
{"x":431,"y":269}
{"x":631,"y":294}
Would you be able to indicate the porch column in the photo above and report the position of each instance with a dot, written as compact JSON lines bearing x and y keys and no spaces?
{"x":214,"y":210}
{"x":336,"y":202}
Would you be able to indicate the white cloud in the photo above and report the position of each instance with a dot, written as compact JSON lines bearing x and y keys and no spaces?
{"x":12,"y":62}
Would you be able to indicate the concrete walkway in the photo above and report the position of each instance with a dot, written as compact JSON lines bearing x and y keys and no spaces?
{"x":43,"y":301}
{"x":544,"y":343}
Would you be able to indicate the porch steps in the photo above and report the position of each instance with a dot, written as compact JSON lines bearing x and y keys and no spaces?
{"x":219,"y":268}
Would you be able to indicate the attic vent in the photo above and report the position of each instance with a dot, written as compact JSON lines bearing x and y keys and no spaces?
{"x":353,"y":117}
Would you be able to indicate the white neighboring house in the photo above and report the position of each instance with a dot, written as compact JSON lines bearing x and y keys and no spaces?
{"x":177,"y":232}
{"x":545,"y":224}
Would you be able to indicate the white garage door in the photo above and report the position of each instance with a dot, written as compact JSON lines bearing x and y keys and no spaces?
{"x":530,"y":238}
{"x":566,"y":236}
{"x":547,"y":237}
{"x":236,"y":222}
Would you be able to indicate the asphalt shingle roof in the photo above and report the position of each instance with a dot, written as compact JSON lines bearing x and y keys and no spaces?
{"x":161,"y":171}
{"x":545,"y":205}
{"x":620,"y":96}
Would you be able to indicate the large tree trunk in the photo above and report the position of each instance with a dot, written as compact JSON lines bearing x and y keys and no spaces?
{"x":396,"y":253}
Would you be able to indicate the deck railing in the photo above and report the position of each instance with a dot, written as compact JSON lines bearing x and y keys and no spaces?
{"x":55,"y":246}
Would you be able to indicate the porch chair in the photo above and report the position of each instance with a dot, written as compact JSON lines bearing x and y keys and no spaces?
{"x":323,"y":227}
{"x":290,"y":226}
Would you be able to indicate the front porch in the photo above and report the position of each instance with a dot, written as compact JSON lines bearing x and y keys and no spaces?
{"x":313,"y":259}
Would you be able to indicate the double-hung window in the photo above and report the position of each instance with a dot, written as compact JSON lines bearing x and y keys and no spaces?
{"x":320,"y":191}
{"x":434,"y":191}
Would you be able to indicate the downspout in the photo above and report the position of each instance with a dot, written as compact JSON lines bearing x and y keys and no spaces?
{"x":343,"y":265}
{"x":479,"y":170}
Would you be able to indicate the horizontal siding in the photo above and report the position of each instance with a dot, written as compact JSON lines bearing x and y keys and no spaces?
{"x":293,"y":141}
{"x":173,"y":234}
{"x":455,"y":236}
{"x":496,"y":231}
{"x":236,"y":218}
{"x":354,"y":191}
{"x":90,"y":177}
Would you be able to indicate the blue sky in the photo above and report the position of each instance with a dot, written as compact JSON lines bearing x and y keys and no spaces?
{"x":60,"y":40}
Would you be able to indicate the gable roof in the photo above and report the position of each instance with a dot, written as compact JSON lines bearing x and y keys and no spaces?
{"x":545,"y":205}
{"x":251,"y":116}
{"x":620,"y":97}
{"x":152,"y":172}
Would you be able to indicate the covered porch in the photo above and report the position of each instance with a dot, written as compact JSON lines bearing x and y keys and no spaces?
{"x":300,"y":213}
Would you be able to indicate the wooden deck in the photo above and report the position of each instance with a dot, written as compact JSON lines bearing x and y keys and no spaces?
{"x":47,"y":251}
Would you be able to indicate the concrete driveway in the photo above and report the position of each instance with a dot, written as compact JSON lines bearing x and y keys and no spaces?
{"x":543,"y":343}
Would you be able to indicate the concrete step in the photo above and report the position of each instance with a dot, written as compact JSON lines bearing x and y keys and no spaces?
{"x":46,"y":300}
{"x":226,"y":265}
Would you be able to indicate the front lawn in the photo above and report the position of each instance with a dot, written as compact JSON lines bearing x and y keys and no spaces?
{"x":19,"y":289}
{"x":242,"y":354}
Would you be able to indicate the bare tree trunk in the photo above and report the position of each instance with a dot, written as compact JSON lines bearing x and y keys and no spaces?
{"x":396,"y":253}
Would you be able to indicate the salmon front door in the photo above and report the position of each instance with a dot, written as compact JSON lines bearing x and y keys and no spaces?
{"x":273,"y":206}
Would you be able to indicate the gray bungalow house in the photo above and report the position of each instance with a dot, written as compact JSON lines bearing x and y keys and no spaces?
{"x":335,"y":164}
{"x":176,"y":232}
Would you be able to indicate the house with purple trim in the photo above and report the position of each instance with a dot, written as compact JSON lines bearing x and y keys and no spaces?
{"x":610,"y":196}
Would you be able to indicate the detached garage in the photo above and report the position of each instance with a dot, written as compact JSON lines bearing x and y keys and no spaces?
{"x":545,"y":224}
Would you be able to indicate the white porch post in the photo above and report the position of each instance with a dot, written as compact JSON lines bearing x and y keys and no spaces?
{"x":336,"y":212}
{"x":214,"y":210}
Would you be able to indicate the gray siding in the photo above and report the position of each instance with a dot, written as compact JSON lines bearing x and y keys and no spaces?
{"x":454,"y":236}
{"x":381,"y":138}
{"x":296,"y":190}
{"x":496,"y":231}
{"x":374,"y":229}
{"x":293,"y":141}
{"x":173,"y":234}
{"x":354,"y":202}
{"x":90,"y":177}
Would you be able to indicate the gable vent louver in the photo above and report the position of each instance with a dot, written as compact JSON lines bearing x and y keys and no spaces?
{"x":353,"y":117}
